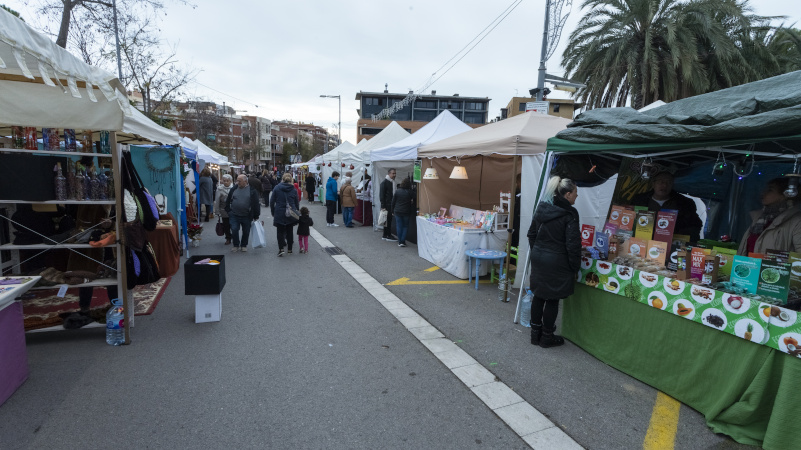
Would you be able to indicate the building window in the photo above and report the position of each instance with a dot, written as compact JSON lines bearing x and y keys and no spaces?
{"x":475,"y":106}
{"x":371,"y":131}
{"x":424,"y":116}
{"x":426,"y":104}
{"x":474,"y":117}
{"x":373,"y":101}
{"x":450,"y":105}
{"x":556,"y":107}
{"x":522,"y":107}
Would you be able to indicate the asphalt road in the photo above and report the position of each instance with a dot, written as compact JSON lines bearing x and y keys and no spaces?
{"x":304,"y":357}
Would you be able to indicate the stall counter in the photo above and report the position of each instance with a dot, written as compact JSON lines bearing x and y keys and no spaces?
{"x":744,"y":390}
{"x":446,"y":246}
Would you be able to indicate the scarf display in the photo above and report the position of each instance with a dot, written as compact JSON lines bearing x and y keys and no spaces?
{"x":769,"y":214}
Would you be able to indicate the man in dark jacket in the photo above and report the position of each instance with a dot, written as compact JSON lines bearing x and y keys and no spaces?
{"x":284,"y":195}
{"x":403,"y":209}
{"x":385,"y":194}
{"x":662,"y":196}
{"x":311,"y":183}
{"x":266,"y":187}
{"x":242,"y":206}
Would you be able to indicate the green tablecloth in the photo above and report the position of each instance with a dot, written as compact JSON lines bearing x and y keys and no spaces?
{"x":747,"y":391}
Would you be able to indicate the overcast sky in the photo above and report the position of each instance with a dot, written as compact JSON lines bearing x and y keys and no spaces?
{"x":282,"y":55}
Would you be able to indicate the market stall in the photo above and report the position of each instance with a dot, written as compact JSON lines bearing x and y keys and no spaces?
{"x":490,"y":155}
{"x":69,"y":96}
{"x":330,"y":163}
{"x":711,"y":322}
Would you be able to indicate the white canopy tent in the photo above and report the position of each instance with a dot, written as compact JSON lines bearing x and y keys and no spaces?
{"x":443,"y":126}
{"x":210,"y":156}
{"x":359,"y":156}
{"x":137,"y":125}
{"x":402,"y":154}
{"x":332,"y":157}
{"x":65,"y":93}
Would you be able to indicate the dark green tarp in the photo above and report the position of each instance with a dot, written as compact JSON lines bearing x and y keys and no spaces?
{"x":762,"y":110}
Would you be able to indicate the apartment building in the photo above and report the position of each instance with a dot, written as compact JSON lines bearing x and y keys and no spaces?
{"x":413,"y":116}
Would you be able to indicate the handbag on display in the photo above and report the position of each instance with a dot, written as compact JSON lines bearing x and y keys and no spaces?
{"x":133,"y":182}
{"x":219,"y":229}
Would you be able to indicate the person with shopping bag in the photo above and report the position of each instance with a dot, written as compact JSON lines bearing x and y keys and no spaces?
{"x":257,"y":238}
{"x":242,"y":206}
{"x":284,"y":204}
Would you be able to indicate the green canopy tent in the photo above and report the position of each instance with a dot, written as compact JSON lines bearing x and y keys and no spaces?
{"x":745,"y":390}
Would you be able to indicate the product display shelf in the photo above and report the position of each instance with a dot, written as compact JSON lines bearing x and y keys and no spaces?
{"x":45,"y":246}
{"x":93,"y":283}
{"x":119,"y":281}
{"x":53,"y":152}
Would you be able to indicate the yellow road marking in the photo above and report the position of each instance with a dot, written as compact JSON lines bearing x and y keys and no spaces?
{"x":432,"y":269}
{"x":407,"y":281}
{"x":664,"y":422}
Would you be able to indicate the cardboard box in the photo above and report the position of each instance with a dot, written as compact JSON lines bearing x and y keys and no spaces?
{"x":726,"y":260}
{"x":208,"y":308}
{"x":710,"y":273}
{"x":697,"y":261}
{"x":774,"y":279}
{"x":627,"y":218}
{"x":636,"y":247}
{"x":614,"y":215}
{"x":202,"y":279}
{"x":657,"y":251}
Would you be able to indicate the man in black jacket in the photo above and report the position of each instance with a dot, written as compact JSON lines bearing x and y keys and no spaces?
{"x":385,"y":194}
{"x":662,"y":196}
{"x":243,"y":207}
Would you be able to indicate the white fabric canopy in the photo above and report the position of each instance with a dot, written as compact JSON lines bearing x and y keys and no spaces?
{"x":63,"y":103}
{"x":210,"y":156}
{"x":333,"y":155}
{"x":388,"y":136}
{"x":526,"y":134}
{"x":443,"y":126}
{"x":138,"y":124}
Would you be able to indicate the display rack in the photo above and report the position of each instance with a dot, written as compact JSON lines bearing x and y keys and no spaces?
{"x":119,"y":281}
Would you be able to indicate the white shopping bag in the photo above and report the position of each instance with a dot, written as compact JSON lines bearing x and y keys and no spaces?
{"x":257,"y":239}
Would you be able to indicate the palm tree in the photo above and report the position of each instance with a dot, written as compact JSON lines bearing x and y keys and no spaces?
{"x":648,"y":50}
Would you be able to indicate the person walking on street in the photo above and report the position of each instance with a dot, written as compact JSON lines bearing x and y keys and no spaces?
{"x":206,"y":192}
{"x":255,"y":183}
{"x":348,"y":196}
{"x":555,"y":241}
{"x":266,"y":186}
{"x":385,"y":194}
{"x":311,"y":183}
{"x":304,"y":224}
{"x":222,"y":196}
{"x":331,"y":195}
{"x":402,"y":210}
{"x":284,"y":195}
{"x":242,"y":206}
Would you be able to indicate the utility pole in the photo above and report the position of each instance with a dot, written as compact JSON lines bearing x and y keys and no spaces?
{"x":544,"y":54}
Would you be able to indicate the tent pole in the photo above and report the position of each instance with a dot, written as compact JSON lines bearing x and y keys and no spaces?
{"x":509,"y":226}
{"x":122,"y":270}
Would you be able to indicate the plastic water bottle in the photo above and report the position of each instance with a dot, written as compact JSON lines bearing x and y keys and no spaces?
{"x":525,"y":309}
{"x":115,"y":323}
{"x":502,"y":288}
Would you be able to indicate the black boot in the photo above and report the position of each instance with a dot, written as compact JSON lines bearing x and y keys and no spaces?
{"x":536,"y":334}
{"x":549,"y":339}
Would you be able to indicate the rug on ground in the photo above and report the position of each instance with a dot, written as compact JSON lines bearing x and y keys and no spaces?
{"x":43,"y":309}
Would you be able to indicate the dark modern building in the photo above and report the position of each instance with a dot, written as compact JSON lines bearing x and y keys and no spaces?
{"x":471,"y":110}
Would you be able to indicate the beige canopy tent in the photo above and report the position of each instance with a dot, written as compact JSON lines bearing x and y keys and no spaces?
{"x":490,"y":156}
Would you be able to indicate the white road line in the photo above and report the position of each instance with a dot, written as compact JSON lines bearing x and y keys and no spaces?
{"x":531,"y":425}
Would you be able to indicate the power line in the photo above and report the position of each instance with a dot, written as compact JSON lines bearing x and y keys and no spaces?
{"x":227,"y":95}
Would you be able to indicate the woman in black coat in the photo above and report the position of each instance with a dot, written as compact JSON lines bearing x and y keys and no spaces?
{"x":284,"y":194}
{"x":402,"y":209}
{"x":555,"y":241}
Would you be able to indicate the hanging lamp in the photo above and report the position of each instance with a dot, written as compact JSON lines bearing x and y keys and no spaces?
{"x":459,"y":172}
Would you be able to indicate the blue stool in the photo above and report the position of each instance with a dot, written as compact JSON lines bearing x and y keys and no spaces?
{"x":480,"y":254}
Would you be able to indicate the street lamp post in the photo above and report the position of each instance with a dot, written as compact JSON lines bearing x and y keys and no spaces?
{"x":339,"y":124}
